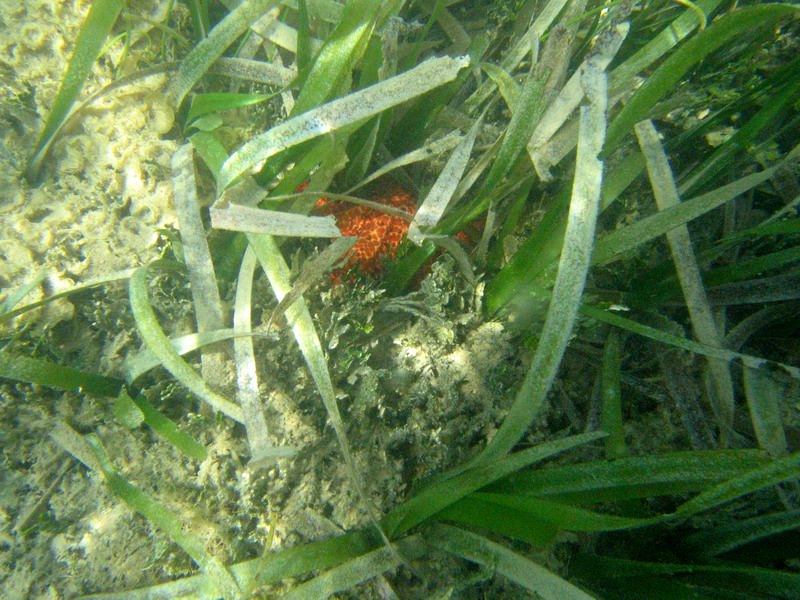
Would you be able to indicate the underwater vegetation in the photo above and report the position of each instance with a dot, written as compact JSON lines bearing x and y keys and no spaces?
{"x":452,"y":299}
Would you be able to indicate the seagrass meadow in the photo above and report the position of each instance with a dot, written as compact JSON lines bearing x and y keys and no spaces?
{"x":442,"y":299}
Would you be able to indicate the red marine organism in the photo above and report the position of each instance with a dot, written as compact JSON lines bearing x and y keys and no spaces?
{"x":379,"y":233}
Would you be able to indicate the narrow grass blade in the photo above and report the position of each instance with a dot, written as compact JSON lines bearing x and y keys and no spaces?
{"x":563,"y":516}
{"x":529,"y":267}
{"x":164,"y":427}
{"x":568,"y":99}
{"x":158,"y":343}
{"x":747,"y":135}
{"x":520,"y":50}
{"x":633,"y":477}
{"x":681,"y":386}
{"x":611,"y":413}
{"x":197,"y":257}
{"x":571,"y":278}
{"x":744,"y":22}
{"x":234,"y":217}
{"x":329,"y":11}
{"x":745,"y":269}
{"x":775,"y":288}
{"x":779,"y":470}
{"x":657,"y":287}
{"x":732,"y":581}
{"x":440,"y":194}
{"x":681,"y":342}
{"x":304,"y":44}
{"x":218,"y":576}
{"x":253,"y":71}
{"x":520,"y":570}
{"x":765,"y":395}
{"x":14,"y":297}
{"x":356,"y":571}
{"x":143,"y":361}
{"x":203,"y":55}
{"x":508,"y":88}
{"x":278,"y":566}
{"x":206,"y":104}
{"x":476,"y":512}
{"x":126,"y":412}
{"x":210,"y":149}
{"x":680,"y":244}
{"x":93,"y":34}
{"x":612,"y":245}
{"x":342,"y":49}
{"x":462,"y":481}
{"x":729,"y":537}
{"x":433,"y":148}
{"x":672,"y":35}
{"x":759,"y":320}
{"x":312,"y":271}
{"x":270,"y":28}
{"x":344,"y":111}
{"x":525,"y":115}
{"x":198,"y":12}
{"x":42,"y":372}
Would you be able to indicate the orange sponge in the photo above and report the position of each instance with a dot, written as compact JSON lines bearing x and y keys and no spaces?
{"x":379,"y":233}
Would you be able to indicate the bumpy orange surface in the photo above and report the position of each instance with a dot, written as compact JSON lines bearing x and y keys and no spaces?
{"x":379,"y":233}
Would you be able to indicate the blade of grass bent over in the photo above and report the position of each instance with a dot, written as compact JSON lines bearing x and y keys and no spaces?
{"x":89,"y":451}
{"x":94,"y":32}
{"x":152,"y":334}
{"x":247,"y":393}
{"x":680,"y":243}
{"x":573,"y":268}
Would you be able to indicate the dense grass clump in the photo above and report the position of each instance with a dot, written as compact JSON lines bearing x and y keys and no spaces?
{"x":612,"y":185}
